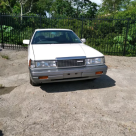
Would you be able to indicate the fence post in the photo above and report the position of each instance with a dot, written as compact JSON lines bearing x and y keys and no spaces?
{"x":82,"y":28}
{"x":124,"y":52}
{"x":2,"y":42}
{"x":40,"y":20}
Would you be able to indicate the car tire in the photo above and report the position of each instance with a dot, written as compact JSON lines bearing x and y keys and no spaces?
{"x":32,"y":83}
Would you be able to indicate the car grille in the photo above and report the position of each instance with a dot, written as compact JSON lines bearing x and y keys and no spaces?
{"x":71,"y":63}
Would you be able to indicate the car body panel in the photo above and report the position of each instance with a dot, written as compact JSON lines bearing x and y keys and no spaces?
{"x":53,"y":51}
{"x":91,"y":52}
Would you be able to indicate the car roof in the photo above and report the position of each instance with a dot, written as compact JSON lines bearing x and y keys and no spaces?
{"x":52,"y":29}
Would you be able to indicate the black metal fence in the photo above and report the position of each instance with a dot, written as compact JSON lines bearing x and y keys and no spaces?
{"x":109,"y":35}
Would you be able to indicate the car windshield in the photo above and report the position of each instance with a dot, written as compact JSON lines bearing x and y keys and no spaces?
{"x":55,"y":37}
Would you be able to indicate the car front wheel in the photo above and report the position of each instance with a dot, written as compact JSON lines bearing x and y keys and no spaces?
{"x":33,"y":83}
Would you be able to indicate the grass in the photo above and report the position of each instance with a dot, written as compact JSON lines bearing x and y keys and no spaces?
{"x":5,"y":57}
{"x":1,"y":86}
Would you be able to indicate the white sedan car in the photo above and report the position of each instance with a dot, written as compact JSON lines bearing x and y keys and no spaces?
{"x":56,"y":55}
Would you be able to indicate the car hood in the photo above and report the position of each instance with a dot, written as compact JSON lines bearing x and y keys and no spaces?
{"x":91,"y":52}
{"x":53,"y":51}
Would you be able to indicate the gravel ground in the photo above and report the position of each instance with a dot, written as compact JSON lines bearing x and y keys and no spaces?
{"x":104,"y":107}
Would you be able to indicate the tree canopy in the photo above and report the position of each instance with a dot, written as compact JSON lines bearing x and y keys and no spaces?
{"x":113,"y":6}
{"x":61,"y":7}
{"x":69,"y":8}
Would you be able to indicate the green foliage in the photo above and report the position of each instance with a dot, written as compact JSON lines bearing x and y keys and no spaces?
{"x":5,"y":57}
{"x":121,"y":39}
{"x":6,"y":29}
{"x":16,"y":9}
{"x":92,"y":11}
{"x":130,"y":13}
{"x":111,"y":6}
{"x":42,"y":5}
{"x":2,"y":86}
{"x":6,"y":32}
{"x":126,"y":4}
{"x":132,"y":30}
{"x":61,"y":7}
{"x":85,"y":8}
{"x":122,"y":42}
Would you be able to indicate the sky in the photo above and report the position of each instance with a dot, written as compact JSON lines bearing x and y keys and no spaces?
{"x":97,"y":1}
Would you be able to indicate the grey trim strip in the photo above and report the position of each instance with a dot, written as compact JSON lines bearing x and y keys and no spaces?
{"x":64,"y":80}
{"x":69,"y":58}
{"x":72,"y":67}
{"x":44,"y":60}
{"x":95,"y":57}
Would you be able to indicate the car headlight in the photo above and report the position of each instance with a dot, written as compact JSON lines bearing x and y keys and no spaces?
{"x":31,"y":64}
{"x":95,"y":61}
{"x":46,"y":64}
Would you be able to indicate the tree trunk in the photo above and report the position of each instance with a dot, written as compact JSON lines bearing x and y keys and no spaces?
{"x":77,"y":8}
{"x":21,"y":11}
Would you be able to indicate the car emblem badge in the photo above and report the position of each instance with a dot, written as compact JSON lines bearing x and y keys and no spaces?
{"x":80,"y":61}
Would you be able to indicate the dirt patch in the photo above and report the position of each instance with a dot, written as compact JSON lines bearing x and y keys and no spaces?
{"x":17,"y":64}
{"x":119,"y":62}
{"x":105,"y":106}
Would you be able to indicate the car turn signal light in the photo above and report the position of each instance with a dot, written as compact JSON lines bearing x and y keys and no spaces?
{"x":99,"y":73}
{"x":29,"y":62}
{"x":43,"y":77}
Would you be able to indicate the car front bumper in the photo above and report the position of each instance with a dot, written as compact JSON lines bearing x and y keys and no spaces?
{"x":66,"y":74}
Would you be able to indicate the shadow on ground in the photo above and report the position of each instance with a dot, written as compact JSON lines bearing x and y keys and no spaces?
{"x":1,"y":134}
{"x":6,"y":90}
{"x":102,"y":82}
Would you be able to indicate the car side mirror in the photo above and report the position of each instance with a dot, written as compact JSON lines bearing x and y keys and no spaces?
{"x":26,"y":41}
{"x":83,"y":40}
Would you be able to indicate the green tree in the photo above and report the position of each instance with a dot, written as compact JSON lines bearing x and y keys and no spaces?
{"x":85,"y":8}
{"x":16,"y":6}
{"x":131,"y":4}
{"x":92,"y":10}
{"x":43,"y":6}
{"x":6,"y":6}
{"x":111,"y":6}
{"x":62,"y":7}
{"x":126,"y":4}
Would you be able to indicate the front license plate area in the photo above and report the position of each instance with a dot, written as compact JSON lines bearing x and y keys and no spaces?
{"x":70,"y":75}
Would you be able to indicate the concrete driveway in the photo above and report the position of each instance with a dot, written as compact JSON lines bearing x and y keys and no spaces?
{"x":104,"y":107}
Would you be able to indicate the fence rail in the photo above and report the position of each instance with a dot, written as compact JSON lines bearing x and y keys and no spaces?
{"x":113,"y":36}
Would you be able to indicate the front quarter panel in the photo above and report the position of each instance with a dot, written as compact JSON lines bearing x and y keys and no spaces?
{"x":91,"y":52}
{"x":30,"y":53}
